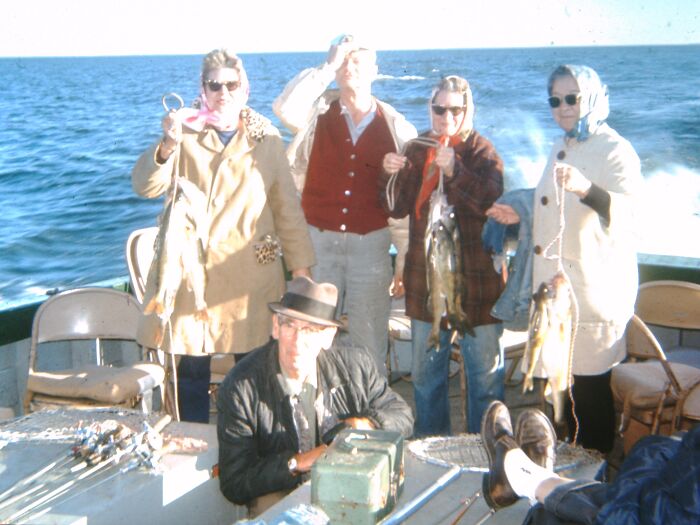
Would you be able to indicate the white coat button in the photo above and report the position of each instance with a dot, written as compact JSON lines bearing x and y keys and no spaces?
{"x":353,"y":156}
{"x":345,"y":210}
{"x":342,"y":227}
{"x":351,"y":174}
{"x":347,"y":193}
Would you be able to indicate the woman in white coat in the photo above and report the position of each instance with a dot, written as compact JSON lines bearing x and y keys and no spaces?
{"x":600,"y":173}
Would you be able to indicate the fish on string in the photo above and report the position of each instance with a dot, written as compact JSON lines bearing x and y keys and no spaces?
{"x":550,"y":340}
{"x":552,"y":328}
{"x":179,"y":255}
{"x":443,"y":252}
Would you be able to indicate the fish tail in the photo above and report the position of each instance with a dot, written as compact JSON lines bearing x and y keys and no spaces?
{"x":434,"y":338}
{"x":154,"y":306}
{"x":201,"y":314}
{"x":558,"y":404}
{"x":159,"y":335}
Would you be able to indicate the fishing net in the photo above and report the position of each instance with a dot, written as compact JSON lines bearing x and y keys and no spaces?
{"x":468,"y":452}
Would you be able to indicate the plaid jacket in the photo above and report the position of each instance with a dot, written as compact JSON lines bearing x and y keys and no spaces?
{"x":476,"y":183}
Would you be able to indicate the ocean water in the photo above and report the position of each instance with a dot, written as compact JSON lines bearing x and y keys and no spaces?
{"x":72,"y":128}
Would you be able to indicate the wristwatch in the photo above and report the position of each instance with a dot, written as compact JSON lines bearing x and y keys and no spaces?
{"x":292,"y":466}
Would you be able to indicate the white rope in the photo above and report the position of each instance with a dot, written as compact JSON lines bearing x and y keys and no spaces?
{"x":560,"y":193}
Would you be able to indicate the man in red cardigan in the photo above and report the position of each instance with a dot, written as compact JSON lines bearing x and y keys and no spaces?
{"x":341,"y":137}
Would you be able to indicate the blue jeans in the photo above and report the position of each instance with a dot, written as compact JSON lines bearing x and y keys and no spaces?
{"x":360,"y":267}
{"x":484,"y":367}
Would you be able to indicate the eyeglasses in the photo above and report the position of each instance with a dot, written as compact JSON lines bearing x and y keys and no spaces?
{"x":214,"y":85}
{"x":305,"y":330}
{"x":571,"y":100}
{"x":440,"y":110}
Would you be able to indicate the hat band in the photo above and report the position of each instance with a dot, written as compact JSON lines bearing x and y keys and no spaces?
{"x":308,"y":306}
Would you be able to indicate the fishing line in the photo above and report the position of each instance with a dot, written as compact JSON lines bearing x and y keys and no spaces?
{"x":560,"y":193}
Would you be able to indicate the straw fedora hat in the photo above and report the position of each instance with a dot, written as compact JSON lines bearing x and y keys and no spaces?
{"x":309,"y":301}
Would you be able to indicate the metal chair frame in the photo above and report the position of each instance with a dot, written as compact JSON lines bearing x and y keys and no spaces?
{"x":82,"y":314}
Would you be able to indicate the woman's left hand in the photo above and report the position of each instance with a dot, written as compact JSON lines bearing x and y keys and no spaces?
{"x":301,"y":272}
{"x":571,"y":179}
{"x":445,"y":159}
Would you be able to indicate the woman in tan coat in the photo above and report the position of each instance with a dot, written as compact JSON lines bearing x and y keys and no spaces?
{"x":235,"y":157}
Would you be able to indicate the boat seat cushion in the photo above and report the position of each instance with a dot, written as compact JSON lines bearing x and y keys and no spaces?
{"x":114,"y":385}
{"x":640,"y":385}
{"x":691,"y":407}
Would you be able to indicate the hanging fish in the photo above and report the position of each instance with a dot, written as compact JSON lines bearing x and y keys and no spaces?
{"x":180,"y":255}
{"x":443,"y":249}
{"x":549,"y":344}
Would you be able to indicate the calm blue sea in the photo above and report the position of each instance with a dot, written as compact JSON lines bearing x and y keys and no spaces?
{"x":71,"y":129}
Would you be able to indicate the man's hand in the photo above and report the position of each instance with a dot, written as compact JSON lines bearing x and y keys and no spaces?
{"x":360,"y":423}
{"x":396,"y":289}
{"x":340,"y":48}
{"x":393,"y":162}
{"x":306,"y":460}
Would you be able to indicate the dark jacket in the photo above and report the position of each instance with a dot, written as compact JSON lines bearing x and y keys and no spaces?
{"x":658,"y":484}
{"x":256,"y":430}
{"x":475,"y":185}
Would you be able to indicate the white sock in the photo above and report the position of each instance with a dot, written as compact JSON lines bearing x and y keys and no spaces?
{"x":523,"y":474}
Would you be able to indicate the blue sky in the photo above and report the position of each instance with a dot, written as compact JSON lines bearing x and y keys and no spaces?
{"x":138,"y":27}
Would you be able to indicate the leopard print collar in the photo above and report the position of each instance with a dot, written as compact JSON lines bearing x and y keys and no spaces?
{"x":256,"y":125}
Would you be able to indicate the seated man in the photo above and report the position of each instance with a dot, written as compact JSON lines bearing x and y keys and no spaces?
{"x":285,"y":401}
{"x":658,"y":483}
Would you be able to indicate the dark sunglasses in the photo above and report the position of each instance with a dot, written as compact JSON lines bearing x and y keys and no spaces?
{"x":571,"y":100}
{"x":440,"y":110}
{"x":233,"y":85}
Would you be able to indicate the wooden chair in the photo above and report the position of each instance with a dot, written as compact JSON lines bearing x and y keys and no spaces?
{"x":96,"y":314}
{"x":647,"y":389}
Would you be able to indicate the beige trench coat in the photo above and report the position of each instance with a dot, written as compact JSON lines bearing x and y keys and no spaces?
{"x":250,"y":194}
{"x":600,"y":259}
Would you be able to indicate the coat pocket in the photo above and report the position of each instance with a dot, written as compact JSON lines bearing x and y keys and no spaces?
{"x":267,"y":250}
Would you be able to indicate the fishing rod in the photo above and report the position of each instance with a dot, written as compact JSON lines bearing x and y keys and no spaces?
{"x":97,"y":457}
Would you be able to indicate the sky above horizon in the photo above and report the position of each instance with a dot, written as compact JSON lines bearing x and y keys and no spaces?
{"x":157,"y":27}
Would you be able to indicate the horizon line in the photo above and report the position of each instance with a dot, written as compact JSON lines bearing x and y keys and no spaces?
{"x":243,"y":53}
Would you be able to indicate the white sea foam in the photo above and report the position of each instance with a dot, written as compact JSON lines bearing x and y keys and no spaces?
{"x":381,"y":76}
{"x":670,"y":218}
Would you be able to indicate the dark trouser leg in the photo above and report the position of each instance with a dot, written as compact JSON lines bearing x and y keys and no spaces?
{"x":576,"y":502}
{"x":595,"y":410}
{"x":193,"y":378}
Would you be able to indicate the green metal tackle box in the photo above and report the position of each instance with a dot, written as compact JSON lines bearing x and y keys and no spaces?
{"x":360,"y":478}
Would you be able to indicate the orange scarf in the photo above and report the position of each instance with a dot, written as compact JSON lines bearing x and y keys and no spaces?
{"x":431,"y":172}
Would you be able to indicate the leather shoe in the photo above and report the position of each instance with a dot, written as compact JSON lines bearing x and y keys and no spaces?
{"x":536,"y":436}
{"x":497,"y":437}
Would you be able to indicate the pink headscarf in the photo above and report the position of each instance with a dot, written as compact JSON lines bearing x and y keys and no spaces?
{"x":201,"y":114}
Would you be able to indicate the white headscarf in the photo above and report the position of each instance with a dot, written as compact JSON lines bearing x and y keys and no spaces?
{"x":595,"y":106}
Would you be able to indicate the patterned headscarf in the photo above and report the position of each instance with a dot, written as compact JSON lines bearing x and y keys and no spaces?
{"x":594,"y":105}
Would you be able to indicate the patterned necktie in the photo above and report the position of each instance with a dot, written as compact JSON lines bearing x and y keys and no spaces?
{"x":301,"y":404}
